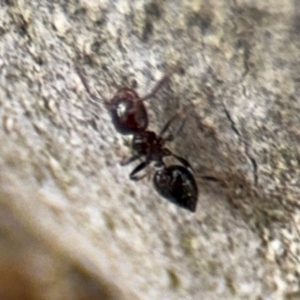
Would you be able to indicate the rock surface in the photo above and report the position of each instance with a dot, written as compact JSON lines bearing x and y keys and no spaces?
{"x":66,"y":201}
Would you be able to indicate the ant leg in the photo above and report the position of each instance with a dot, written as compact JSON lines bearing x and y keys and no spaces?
{"x":160,"y":83}
{"x":167,"y":152}
{"x":167,"y":125}
{"x":170,"y":137}
{"x":139,"y":168}
{"x":130,"y":160}
{"x":180,"y":115}
{"x":183,"y":161}
{"x":214,"y":179}
{"x":210,"y":178}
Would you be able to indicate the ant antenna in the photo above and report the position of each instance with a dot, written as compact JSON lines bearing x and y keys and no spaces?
{"x":161,"y":82}
{"x":93,"y":97}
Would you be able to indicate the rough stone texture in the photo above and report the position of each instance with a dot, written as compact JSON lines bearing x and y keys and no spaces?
{"x":62,"y":188}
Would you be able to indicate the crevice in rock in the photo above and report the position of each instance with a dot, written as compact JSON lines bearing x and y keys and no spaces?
{"x":245,"y":143}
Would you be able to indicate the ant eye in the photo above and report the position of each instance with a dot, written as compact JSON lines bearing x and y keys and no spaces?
{"x":121,"y":109}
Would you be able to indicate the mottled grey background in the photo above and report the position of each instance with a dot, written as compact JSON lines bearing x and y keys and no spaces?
{"x":73,"y":225}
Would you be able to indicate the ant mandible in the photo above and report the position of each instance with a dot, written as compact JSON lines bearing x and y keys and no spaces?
{"x":176,"y":183}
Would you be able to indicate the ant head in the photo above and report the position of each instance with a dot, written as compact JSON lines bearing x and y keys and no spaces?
{"x":129,"y":115}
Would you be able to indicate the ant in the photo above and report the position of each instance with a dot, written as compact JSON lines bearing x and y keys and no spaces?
{"x":176,"y":183}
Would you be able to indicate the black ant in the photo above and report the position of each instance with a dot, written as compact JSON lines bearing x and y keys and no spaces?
{"x":176,"y":183}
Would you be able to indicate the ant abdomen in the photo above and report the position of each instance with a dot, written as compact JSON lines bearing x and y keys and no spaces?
{"x":177,"y":184}
{"x":128,"y":112}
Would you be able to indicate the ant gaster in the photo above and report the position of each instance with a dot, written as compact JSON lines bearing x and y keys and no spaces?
{"x":129,"y":116}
